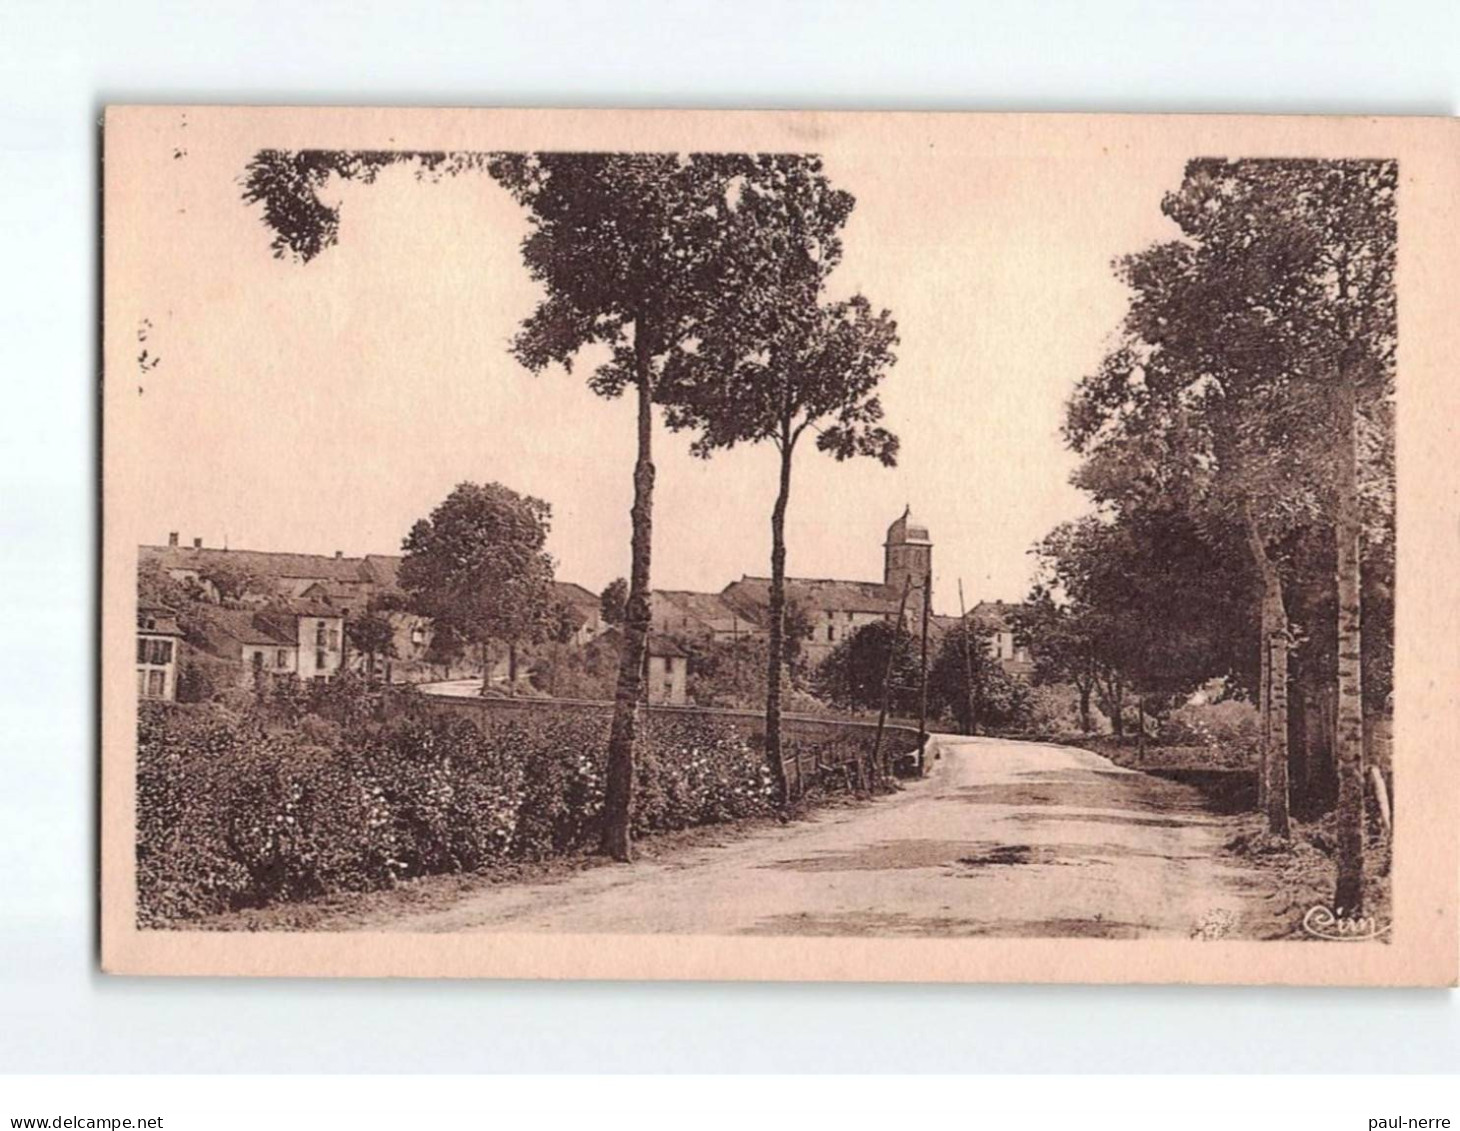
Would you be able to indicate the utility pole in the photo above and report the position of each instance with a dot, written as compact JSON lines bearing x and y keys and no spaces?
{"x":967,"y":661}
{"x":923,"y":676}
{"x":887,"y":675}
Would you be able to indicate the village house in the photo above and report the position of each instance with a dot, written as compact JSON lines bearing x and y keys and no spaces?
{"x":711,"y":617}
{"x":837,"y":609}
{"x":997,"y":618}
{"x":299,"y":621}
{"x":350,"y":582}
{"x":302,"y":639}
{"x":158,"y":641}
{"x":666,"y":668}
{"x":584,"y":611}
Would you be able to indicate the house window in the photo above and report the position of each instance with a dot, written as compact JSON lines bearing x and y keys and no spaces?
{"x":319,"y":659}
{"x":281,"y":659}
{"x":258,"y":659}
{"x":831,"y":632}
{"x":334,"y":638}
{"x":156,"y":684}
{"x":319,"y":636}
{"x":154,"y":651}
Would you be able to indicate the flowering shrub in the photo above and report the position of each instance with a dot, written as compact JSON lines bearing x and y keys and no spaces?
{"x":235,"y":810}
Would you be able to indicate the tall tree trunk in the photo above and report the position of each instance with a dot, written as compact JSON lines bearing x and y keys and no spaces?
{"x":484,"y":652}
{"x":1115,"y":700}
{"x":1348,"y":898}
{"x":777,"y":642}
{"x":1272,"y":782}
{"x":616,"y":840}
{"x":512,"y":669}
{"x":1084,"y":689}
{"x":1300,"y":802}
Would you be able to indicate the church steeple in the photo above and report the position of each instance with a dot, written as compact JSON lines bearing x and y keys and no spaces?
{"x":908,"y":555}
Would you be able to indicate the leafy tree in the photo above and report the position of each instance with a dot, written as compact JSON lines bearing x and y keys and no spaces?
{"x":775,"y":361}
{"x":1063,"y":642}
{"x":853,"y":674}
{"x":373,"y":636}
{"x":1258,"y":381}
{"x":613,"y":601}
{"x":631,"y":249}
{"x":477,"y":565}
{"x":447,"y":644}
{"x":732,"y":673}
{"x":233,"y":581}
{"x":966,"y":682}
{"x":1146,"y":611}
{"x":774,"y":373}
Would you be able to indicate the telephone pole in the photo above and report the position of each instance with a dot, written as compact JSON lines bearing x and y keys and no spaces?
{"x":967,"y":662}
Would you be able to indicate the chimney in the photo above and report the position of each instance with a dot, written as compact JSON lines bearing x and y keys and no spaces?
{"x":197,"y":543}
{"x":172,"y":538}
{"x":339,"y":554}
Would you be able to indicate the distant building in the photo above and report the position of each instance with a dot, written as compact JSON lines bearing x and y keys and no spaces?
{"x":668,"y":672}
{"x":711,"y":617}
{"x":158,"y":639}
{"x":303,"y":639}
{"x":298,"y":626}
{"x":584,"y":610}
{"x":997,"y":618}
{"x":666,"y":668}
{"x":837,"y":609}
{"x":291,"y":575}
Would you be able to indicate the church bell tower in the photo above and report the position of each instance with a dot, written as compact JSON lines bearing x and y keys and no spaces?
{"x":908,"y":556}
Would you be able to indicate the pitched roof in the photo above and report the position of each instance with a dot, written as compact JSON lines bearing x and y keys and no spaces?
{"x":159,"y":620}
{"x":574,"y":594}
{"x":658,"y":645}
{"x":818,"y":594}
{"x":711,"y":609}
{"x":301,"y":607}
{"x":994,"y":614}
{"x":244,"y":626}
{"x":382,"y":569}
{"x":268,"y":563}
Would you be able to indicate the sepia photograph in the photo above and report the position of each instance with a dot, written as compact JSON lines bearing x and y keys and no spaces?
{"x":763,"y":545}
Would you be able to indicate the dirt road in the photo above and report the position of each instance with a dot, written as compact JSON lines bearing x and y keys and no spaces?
{"x":1003,"y":839}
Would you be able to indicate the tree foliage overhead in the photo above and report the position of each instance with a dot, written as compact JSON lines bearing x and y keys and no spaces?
{"x":1251,"y":394}
{"x":1221,"y":394}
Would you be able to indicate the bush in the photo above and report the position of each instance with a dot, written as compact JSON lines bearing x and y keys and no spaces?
{"x":1229,"y":726}
{"x":235,"y":811}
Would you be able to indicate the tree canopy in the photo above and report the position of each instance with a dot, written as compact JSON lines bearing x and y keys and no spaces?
{"x":477,"y":564}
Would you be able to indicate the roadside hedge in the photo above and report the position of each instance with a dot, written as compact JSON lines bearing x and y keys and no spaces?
{"x":234,"y":811}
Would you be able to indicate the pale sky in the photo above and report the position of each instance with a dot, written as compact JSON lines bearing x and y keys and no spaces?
{"x":327,"y":406}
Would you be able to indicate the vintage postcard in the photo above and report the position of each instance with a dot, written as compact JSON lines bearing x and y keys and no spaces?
{"x":824,"y":546}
